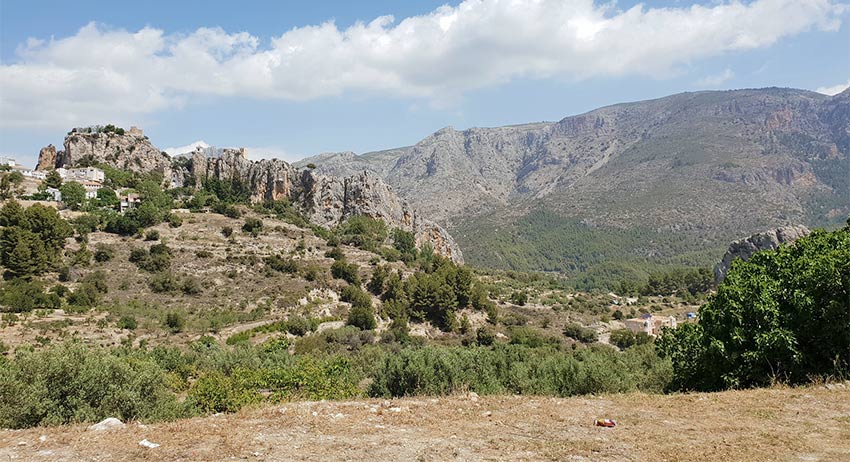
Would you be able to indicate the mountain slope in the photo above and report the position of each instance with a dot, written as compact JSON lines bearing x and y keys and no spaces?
{"x":702,"y":167}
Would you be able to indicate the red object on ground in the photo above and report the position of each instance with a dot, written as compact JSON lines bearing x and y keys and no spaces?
{"x":605,"y":423}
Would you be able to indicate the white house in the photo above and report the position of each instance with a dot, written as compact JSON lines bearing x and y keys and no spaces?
{"x":55,"y":194}
{"x":649,"y":324}
{"x":82,"y":174}
{"x":130,"y":201}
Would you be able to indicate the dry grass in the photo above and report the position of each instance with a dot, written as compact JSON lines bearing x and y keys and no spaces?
{"x":801,"y":424}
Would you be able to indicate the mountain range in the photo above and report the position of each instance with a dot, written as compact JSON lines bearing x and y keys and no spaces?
{"x":668,"y":181}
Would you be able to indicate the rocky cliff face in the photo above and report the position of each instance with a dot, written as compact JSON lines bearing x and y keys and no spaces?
{"x":325,"y":200}
{"x":130,"y":150}
{"x":46,"y":158}
{"x":267,"y":179}
{"x":331,"y":200}
{"x":706,"y":166}
{"x":745,"y":248}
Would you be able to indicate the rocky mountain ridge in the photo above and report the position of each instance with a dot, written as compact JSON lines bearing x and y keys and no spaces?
{"x":706,"y":166}
{"x":325,"y":200}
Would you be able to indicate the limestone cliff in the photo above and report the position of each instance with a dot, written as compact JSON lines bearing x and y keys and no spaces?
{"x":127,"y":150}
{"x":46,"y":158}
{"x":331,"y":200}
{"x":745,"y":248}
{"x":324,"y":200}
{"x":267,"y":179}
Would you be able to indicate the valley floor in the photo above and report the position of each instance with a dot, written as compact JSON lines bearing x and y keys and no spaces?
{"x":780,"y":424}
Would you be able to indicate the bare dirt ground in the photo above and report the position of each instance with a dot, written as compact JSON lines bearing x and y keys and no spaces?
{"x":800,"y":424}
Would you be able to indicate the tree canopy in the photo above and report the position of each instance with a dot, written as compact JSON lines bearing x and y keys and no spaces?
{"x":784,"y":315}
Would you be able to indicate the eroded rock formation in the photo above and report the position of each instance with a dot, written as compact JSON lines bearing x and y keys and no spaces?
{"x":745,"y":248}
{"x":46,"y":158}
{"x":330,"y":200}
{"x":130,"y":150}
{"x":324,"y":200}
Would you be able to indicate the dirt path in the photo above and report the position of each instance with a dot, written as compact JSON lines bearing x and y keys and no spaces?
{"x":809,"y":424}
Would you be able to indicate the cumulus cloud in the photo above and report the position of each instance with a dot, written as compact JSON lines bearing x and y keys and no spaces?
{"x":103,"y":74}
{"x":715,"y":80}
{"x":835,"y":89}
{"x":174,"y":150}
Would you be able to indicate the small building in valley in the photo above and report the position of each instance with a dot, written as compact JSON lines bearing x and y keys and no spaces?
{"x":649,"y":324}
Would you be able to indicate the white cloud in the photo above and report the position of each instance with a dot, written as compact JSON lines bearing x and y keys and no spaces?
{"x":835,"y":89}
{"x":102,"y":75}
{"x":716,"y":80}
{"x":173,"y":151}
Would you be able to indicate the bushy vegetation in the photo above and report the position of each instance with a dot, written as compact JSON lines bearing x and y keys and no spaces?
{"x":518,"y":369}
{"x":580,"y":333}
{"x":69,"y":382}
{"x":22,"y":295}
{"x":31,"y":239}
{"x":155,"y":260}
{"x":363,"y":232}
{"x":784,"y":316}
{"x":73,"y":383}
{"x":341,"y":269}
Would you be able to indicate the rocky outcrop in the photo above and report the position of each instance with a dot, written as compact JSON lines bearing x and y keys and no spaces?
{"x":745,"y":248}
{"x":130,"y":150}
{"x":324,"y":200}
{"x":329,"y":201}
{"x":46,"y":158}
{"x":267,"y":179}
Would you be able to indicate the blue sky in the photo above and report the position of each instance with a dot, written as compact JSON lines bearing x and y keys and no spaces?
{"x":278,"y":78}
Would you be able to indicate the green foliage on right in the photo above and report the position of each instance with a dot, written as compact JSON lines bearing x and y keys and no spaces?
{"x":784,"y":316}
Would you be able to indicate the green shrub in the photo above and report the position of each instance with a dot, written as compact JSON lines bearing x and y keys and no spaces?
{"x":158,"y":259}
{"x":362,"y":317}
{"x":364,"y":232}
{"x":781,"y":316}
{"x":297,"y":325}
{"x":174,"y":220}
{"x":127,"y":322}
{"x":152,"y":235}
{"x":103,"y":253}
{"x":23,"y":295}
{"x":227,"y":210}
{"x":253,"y":226}
{"x":531,"y":337}
{"x":335,"y":253}
{"x":580,"y":333}
{"x":518,"y":369}
{"x":485,"y":336}
{"x":622,"y":338}
{"x":226,"y":231}
{"x":282,"y":265}
{"x":215,"y":392}
{"x":70,"y":383}
{"x":345,"y":271}
{"x":175,"y":321}
{"x":164,"y":282}
{"x":190,"y":285}
{"x":519,"y":298}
